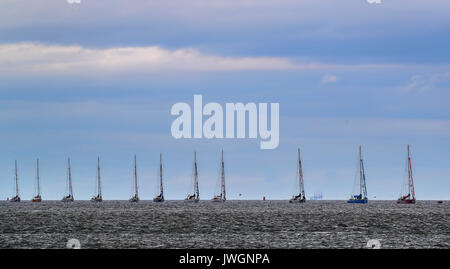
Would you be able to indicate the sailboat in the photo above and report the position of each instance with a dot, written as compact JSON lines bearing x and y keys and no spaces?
{"x":38,"y":197}
{"x":300,"y":198}
{"x":409,"y":198}
{"x":135,"y":198}
{"x":222,"y":196}
{"x":69,"y":197}
{"x":160,"y":197}
{"x":16,"y":179}
{"x":195,"y":197}
{"x":360,"y":198}
{"x":98,"y":197}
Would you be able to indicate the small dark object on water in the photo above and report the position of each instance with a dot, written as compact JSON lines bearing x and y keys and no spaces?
{"x":439,"y":202}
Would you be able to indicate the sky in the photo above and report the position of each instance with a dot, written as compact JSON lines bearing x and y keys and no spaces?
{"x":98,"y":78}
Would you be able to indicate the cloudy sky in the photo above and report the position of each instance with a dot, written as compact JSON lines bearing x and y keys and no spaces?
{"x":99,"y":78}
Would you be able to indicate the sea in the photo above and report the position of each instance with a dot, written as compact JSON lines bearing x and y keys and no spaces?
{"x":232,"y":224}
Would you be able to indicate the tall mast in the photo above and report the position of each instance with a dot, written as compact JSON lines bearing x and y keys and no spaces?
{"x":70,"y":178}
{"x":223,"y":194}
{"x":38,"y":187}
{"x":196,"y":190}
{"x":410,"y":176}
{"x":362,"y":174}
{"x":300,"y":173}
{"x":16,"y":179}
{"x":361,"y":180}
{"x":160,"y":175}
{"x":99,"y":191}
{"x":135,"y":176}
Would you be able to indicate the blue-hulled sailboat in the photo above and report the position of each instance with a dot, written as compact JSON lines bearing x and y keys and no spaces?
{"x":360,"y":198}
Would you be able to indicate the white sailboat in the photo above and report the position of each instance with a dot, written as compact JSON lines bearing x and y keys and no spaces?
{"x":69,"y":197}
{"x":160,"y":197}
{"x":37,"y":198}
{"x":98,"y":197}
{"x":16,"y":198}
{"x":300,"y":197}
{"x":410,"y":196}
{"x":135,"y":197}
{"x":195,"y":197}
{"x":222,"y":196}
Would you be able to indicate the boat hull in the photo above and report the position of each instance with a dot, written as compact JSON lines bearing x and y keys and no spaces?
{"x":67,"y":199}
{"x":15,"y":199}
{"x":192,"y":198}
{"x":297,"y":201}
{"x":97,"y":199}
{"x":36,"y":199}
{"x":361,"y":201}
{"x":134,"y":199}
{"x":409,"y":201}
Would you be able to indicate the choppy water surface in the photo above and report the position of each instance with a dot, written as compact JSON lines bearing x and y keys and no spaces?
{"x":234,"y":224}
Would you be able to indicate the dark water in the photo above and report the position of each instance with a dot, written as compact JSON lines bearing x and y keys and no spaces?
{"x":234,"y":224}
